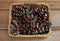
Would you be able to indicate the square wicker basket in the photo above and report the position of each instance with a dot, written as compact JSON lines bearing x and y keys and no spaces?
{"x":20,"y":35}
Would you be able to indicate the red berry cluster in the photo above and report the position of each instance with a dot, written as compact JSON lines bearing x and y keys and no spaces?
{"x":30,"y":19}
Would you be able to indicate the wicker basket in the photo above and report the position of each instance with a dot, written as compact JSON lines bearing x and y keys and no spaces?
{"x":42,"y":35}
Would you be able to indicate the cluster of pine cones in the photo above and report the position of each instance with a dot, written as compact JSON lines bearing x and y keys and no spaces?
{"x":29,"y":19}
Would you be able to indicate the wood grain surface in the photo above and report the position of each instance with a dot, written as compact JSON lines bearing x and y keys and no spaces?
{"x":54,"y":16}
{"x":53,"y":5}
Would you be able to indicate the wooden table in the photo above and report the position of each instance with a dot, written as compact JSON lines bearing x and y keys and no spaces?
{"x":54,"y":16}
